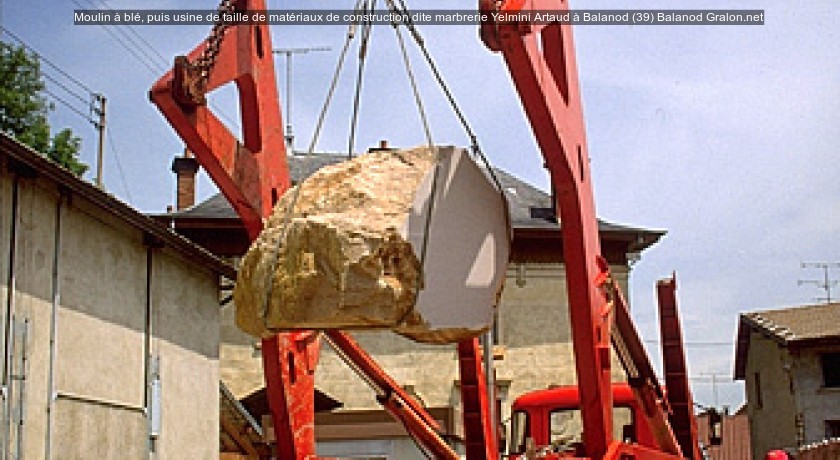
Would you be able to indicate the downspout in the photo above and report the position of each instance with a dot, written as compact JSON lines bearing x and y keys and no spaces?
{"x":151,"y":371}
{"x":147,"y":351}
{"x":10,"y":307}
{"x":56,"y":301}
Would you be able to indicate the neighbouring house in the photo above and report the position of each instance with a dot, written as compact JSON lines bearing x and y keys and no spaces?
{"x":109,"y":323}
{"x":531,"y":334}
{"x":789,"y":360}
{"x":724,"y":436}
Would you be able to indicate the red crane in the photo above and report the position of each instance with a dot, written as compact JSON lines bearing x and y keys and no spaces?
{"x":254,"y":173}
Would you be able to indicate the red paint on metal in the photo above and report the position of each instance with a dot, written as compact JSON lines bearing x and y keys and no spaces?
{"x":479,"y":434}
{"x":251,"y":172}
{"x":682,"y":418}
{"x":539,"y":404}
{"x":289,"y":362}
{"x":541,"y":60}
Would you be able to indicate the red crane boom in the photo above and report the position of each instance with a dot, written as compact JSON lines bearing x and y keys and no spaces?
{"x":254,"y":173}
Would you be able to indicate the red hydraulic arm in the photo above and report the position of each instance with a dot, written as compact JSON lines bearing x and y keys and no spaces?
{"x":252,"y":174}
{"x":546,"y":80}
{"x":541,"y":61}
{"x":676,"y":375}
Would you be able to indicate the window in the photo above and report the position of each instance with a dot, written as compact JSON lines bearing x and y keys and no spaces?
{"x":831,"y":369}
{"x":759,"y":401}
{"x":518,"y":432}
{"x":832,"y":428}
{"x":566,"y":427}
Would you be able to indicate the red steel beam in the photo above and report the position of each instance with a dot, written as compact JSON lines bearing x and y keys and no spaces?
{"x":479,"y":432}
{"x":676,"y":375}
{"x":641,"y":376}
{"x":541,"y":61}
{"x":417,"y":421}
{"x":252,"y":174}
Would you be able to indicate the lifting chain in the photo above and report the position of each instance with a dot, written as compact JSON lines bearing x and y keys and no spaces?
{"x":190,"y":78}
{"x":207,"y":60}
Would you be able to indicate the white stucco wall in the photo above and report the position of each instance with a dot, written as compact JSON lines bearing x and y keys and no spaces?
{"x":102,"y":328}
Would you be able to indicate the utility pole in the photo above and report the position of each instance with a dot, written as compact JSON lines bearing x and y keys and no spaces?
{"x":100,"y":126}
{"x":288,"y":52}
{"x":826,"y":283}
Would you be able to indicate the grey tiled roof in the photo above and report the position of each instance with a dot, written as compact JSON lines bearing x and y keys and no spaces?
{"x":530,"y":207}
{"x":795,"y":326}
{"x":798,"y":323}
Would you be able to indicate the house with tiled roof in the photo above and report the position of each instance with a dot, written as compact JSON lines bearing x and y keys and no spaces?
{"x":531,"y":334}
{"x":789,"y":360}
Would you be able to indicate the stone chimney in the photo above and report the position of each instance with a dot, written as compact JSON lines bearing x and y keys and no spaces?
{"x":185,"y":168}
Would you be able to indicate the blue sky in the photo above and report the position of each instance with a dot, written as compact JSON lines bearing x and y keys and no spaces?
{"x":723,"y":135}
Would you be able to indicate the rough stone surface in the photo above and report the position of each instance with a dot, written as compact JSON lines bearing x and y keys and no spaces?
{"x":344,"y":261}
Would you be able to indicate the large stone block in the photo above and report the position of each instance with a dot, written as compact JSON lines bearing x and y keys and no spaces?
{"x":412,"y":240}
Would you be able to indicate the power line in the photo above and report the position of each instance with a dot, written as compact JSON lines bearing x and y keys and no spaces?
{"x":65,"y":88}
{"x":47,"y":61}
{"x":697,"y":344}
{"x":56,"y":82}
{"x":119,"y":164}
{"x":70,"y":106}
{"x":131,"y":29}
{"x":135,"y":48}
{"x":125,"y":46}
{"x":156,"y":68}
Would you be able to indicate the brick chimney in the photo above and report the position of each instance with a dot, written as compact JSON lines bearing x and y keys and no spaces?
{"x":383,"y":147}
{"x":185,"y":168}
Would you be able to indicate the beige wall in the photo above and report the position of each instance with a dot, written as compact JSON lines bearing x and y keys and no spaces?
{"x":96,"y":406}
{"x":773,"y":425}
{"x":815,"y":404}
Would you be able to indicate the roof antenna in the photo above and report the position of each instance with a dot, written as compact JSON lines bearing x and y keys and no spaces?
{"x":288,"y":52}
{"x":826,"y":283}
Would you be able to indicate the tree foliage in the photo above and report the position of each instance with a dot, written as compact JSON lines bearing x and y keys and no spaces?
{"x":24,"y":110}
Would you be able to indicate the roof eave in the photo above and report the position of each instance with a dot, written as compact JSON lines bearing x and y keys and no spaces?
{"x":24,"y":158}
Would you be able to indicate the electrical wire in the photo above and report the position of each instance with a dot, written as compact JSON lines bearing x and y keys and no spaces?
{"x":74,"y":93}
{"x":129,"y":28}
{"x":139,"y":53}
{"x":697,"y":344}
{"x":118,"y":34}
{"x":70,"y":106}
{"x":65,"y":88}
{"x":47,"y":61}
{"x":119,"y":164}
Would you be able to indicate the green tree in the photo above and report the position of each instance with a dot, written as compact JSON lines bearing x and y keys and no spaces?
{"x":24,"y":110}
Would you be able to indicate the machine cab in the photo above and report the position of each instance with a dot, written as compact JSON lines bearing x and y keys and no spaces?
{"x":549,"y":423}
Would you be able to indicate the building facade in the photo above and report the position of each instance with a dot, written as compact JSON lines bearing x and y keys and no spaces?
{"x":109,"y":323}
{"x":789,"y":360}
{"x":532,"y":344}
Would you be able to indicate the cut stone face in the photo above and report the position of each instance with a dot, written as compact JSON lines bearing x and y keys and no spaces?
{"x":346,"y":250}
